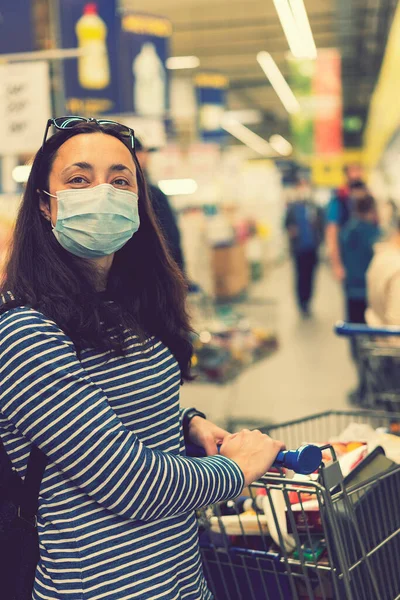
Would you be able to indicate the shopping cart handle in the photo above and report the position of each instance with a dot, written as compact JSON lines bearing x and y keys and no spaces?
{"x":304,"y":460}
{"x":354,"y":329}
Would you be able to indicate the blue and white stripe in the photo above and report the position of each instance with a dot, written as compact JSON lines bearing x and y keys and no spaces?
{"x":116,"y":516}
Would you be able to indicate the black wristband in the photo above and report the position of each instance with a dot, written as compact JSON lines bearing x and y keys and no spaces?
{"x":188,"y":416}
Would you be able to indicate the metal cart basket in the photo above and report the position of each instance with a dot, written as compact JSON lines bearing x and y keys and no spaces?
{"x":377,"y":352}
{"x":309,"y":538}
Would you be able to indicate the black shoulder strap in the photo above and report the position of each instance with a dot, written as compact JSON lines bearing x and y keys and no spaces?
{"x":29,"y":501}
{"x":37,"y":461}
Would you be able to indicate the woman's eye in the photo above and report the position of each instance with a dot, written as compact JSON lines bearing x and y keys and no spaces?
{"x":120,"y":182}
{"x":78,"y":180}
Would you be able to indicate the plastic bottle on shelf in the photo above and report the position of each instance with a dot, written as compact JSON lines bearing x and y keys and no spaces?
{"x":149,"y":91}
{"x":93,"y":66}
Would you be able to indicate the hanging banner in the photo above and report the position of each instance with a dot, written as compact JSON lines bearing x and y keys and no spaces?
{"x":24,"y":106}
{"x":91,"y":81}
{"x":211,"y":97}
{"x":327,"y":89}
{"x":144,"y":44}
{"x":301,"y":73}
{"x":317,"y":127}
{"x":16,"y":26}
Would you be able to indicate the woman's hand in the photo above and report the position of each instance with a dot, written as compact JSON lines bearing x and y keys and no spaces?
{"x":253,"y":451}
{"x":207,"y":435}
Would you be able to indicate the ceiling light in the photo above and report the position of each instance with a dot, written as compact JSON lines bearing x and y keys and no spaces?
{"x":289,"y":26}
{"x":278,"y":82}
{"x":247,"y":137}
{"x":178,"y":187}
{"x":246,"y":116}
{"x":182,"y":62}
{"x":280,"y":145}
{"x":296,"y":26}
{"x":20,"y":174}
{"x":304,"y":27}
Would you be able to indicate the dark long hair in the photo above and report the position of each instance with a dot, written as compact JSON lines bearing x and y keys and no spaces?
{"x":147,"y":288}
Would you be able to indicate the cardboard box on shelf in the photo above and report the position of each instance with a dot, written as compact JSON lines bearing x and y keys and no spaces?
{"x":230,"y":270}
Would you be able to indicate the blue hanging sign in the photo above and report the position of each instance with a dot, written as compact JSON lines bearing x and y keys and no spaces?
{"x":16,"y":26}
{"x":143,"y":51}
{"x":211,"y":96}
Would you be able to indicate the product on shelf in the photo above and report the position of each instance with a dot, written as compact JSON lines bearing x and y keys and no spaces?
{"x":226,"y":343}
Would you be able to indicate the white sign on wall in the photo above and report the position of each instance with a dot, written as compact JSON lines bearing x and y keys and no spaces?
{"x":24,"y":106}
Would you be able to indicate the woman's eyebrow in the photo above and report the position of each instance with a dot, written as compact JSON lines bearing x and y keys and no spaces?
{"x":121,"y":167}
{"x":81,"y":165}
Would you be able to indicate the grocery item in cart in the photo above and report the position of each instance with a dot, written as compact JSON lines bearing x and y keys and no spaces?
{"x":363,"y":433}
{"x":248,"y":524}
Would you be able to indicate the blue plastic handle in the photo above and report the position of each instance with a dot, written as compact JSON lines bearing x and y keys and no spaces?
{"x":304,"y":460}
{"x":352,"y":330}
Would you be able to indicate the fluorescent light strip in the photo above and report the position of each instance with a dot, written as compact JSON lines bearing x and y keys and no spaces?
{"x":303,"y":24}
{"x":280,"y":145}
{"x":290,"y":27}
{"x":296,"y":26}
{"x":178,"y":187}
{"x":246,"y":116}
{"x":278,"y":82}
{"x":182,"y":62}
{"x":247,"y":137}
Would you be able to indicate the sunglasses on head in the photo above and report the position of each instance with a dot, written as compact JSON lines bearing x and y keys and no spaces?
{"x":71,"y":121}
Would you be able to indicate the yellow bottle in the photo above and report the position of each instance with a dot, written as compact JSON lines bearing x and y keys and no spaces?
{"x":93,"y":66}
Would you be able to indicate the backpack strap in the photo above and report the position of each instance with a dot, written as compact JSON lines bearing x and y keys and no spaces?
{"x":9,"y":479}
{"x":27,"y":492}
{"x":29,"y":501}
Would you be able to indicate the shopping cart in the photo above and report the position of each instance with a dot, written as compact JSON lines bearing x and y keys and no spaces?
{"x":311,"y":537}
{"x":377,"y":352}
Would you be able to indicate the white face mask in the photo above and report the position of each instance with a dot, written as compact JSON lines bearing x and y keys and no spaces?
{"x":96,"y":221}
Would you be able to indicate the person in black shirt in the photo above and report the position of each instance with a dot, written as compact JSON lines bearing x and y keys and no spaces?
{"x":162,"y":208}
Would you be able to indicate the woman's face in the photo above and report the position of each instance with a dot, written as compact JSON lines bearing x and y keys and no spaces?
{"x":88,"y":160}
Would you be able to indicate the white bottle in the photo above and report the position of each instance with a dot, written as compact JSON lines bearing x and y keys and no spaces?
{"x":149,"y":91}
{"x":93,"y":66}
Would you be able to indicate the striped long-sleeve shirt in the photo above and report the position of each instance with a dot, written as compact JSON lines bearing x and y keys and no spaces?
{"x":116,"y":508}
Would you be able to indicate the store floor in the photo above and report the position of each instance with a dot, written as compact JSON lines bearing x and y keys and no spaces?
{"x":311,"y":372}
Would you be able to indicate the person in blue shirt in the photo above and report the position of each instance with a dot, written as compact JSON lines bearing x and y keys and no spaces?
{"x":357,"y":240}
{"x":338,"y":213}
{"x":304,"y":225}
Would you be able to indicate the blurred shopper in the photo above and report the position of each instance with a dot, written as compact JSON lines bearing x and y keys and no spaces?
{"x":304,"y":224}
{"x":94,"y":344}
{"x":383,"y":283}
{"x":162,"y":208}
{"x":338,"y":213}
{"x":388,"y":216}
{"x":357,"y":240}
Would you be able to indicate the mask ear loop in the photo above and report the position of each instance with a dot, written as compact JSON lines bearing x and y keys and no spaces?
{"x":47,"y":193}
{"x":52,"y":196}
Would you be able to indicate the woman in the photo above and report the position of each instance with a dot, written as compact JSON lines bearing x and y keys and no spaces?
{"x":93,"y":349}
{"x":383,"y":282}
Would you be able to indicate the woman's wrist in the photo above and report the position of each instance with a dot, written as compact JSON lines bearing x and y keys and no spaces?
{"x":188,"y":416}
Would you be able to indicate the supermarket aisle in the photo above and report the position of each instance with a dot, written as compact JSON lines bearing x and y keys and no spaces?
{"x":311,"y":372}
